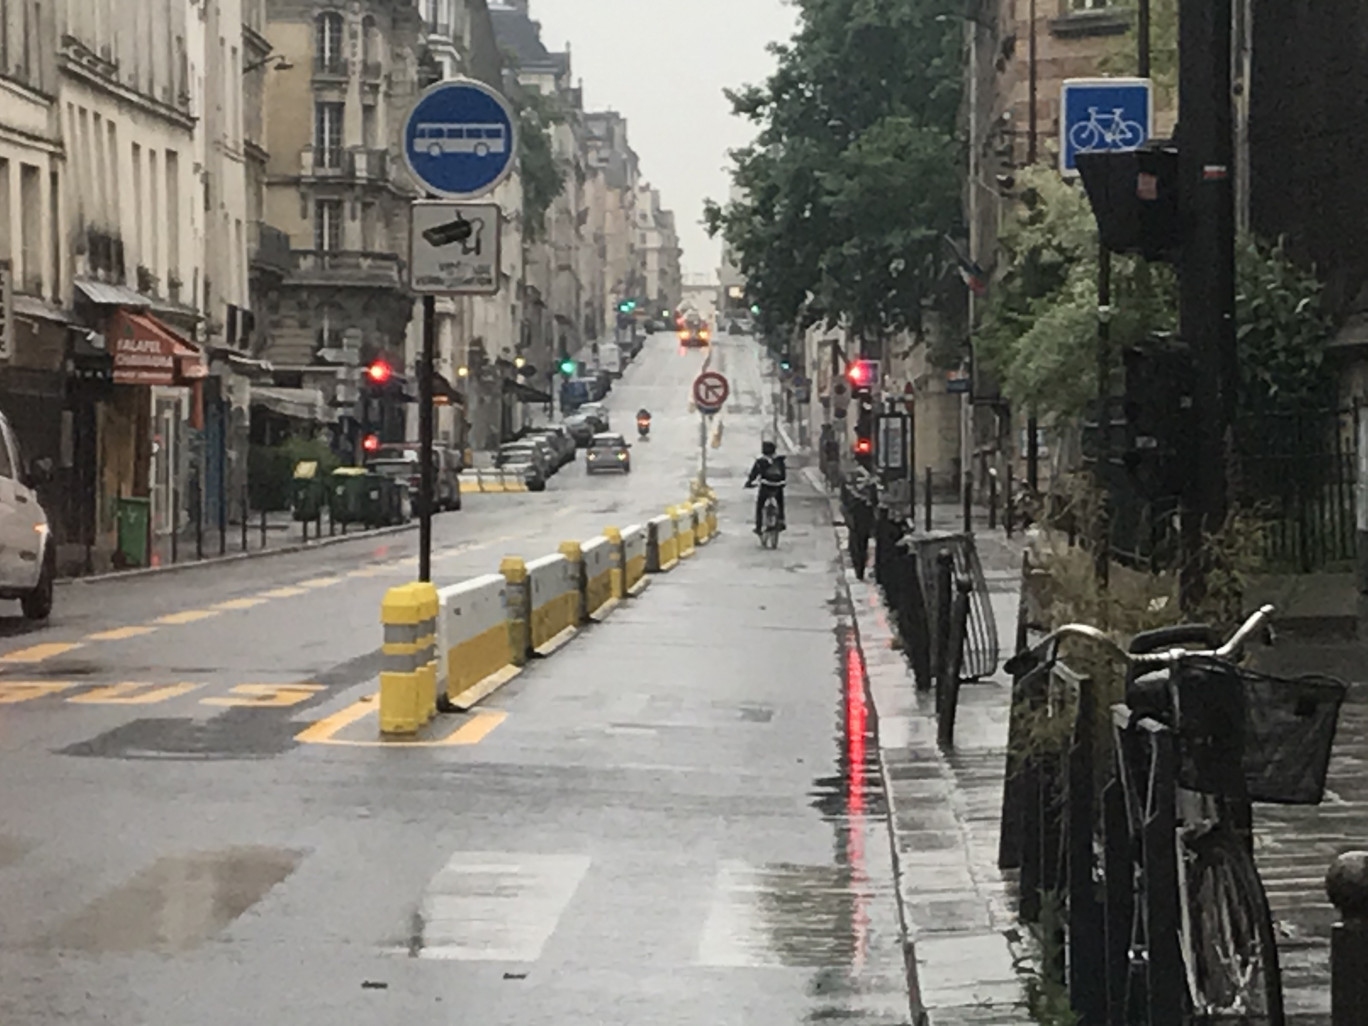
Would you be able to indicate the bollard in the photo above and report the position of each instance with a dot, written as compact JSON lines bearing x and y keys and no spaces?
{"x":246,"y":516}
{"x":952,"y":662}
{"x":992,"y":501}
{"x":944,"y":596}
{"x":223,"y":524}
{"x":619,"y":576}
{"x":1347,"y":886}
{"x":968,"y":505}
{"x":401,"y":706}
{"x":514,"y":571}
{"x":928,"y":498}
{"x":263,"y":527}
{"x":428,"y":608}
{"x":574,"y":555}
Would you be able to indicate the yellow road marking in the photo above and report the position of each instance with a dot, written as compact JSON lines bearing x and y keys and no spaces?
{"x":263,"y":696}
{"x":133,"y":693}
{"x":12,"y":692}
{"x":242,"y":603}
{"x":325,"y":731}
{"x":369,"y":571}
{"x":320,"y":582}
{"x":37,"y":653}
{"x":286,"y":592}
{"x":120,"y":633}
{"x":186,"y":616}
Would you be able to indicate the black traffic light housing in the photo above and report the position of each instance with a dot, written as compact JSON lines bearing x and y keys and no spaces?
{"x":1134,"y":197}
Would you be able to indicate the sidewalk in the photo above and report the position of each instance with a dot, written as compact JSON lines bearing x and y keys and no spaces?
{"x":957,"y":911}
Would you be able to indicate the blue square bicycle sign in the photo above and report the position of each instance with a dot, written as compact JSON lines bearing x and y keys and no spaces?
{"x":1098,"y":115}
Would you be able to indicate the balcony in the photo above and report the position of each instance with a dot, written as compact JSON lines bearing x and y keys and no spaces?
{"x":321,"y":161}
{"x":344,"y":268}
{"x":270,"y":248}
{"x":372,"y":72}
{"x":331,"y":69}
{"x":366,"y":165}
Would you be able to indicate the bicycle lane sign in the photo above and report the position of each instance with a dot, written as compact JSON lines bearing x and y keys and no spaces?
{"x":1103,"y":114}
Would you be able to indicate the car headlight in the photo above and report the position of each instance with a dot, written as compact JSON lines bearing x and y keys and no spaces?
{"x":622,"y":455}
{"x":591,"y":456}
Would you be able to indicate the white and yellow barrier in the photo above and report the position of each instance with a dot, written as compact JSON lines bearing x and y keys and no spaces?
{"x":702,"y":529}
{"x":684,"y":530}
{"x":634,"y":541}
{"x":553,"y":602}
{"x":599,"y":600}
{"x":475,"y":639}
{"x":662,"y":551}
{"x":408,"y":677}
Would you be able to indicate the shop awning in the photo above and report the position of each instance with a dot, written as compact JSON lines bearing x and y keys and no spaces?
{"x":37,"y":309}
{"x":525,"y":393}
{"x":103,"y":294}
{"x":297,"y":403}
{"x":148,"y":352}
{"x":444,"y":391}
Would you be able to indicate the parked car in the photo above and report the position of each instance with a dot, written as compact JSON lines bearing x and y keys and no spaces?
{"x":598,"y":416}
{"x":608,"y":452}
{"x":561,"y":441}
{"x":523,"y":461}
{"x":541,"y":453}
{"x":401,"y":463}
{"x":580,"y":427}
{"x":578,"y":391}
{"x":29,"y":567}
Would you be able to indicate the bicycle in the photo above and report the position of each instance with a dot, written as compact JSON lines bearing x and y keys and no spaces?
{"x":769,"y":522}
{"x":1106,"y":133}
{"x":1196,"y":741}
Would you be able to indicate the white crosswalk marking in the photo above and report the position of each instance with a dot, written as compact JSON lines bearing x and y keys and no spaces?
{"x":497,"y":906}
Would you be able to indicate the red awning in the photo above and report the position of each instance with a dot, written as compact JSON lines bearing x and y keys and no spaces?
{"x":148,"y":352}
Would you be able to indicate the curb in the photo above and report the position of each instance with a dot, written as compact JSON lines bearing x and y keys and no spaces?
{"x":238,"y":557}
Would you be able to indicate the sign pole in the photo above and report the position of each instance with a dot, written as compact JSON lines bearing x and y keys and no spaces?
{"x":703,"y":449}
{"x":425,"y":368}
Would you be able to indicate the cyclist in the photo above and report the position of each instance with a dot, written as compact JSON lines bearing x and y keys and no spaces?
{"x":770,"y":472}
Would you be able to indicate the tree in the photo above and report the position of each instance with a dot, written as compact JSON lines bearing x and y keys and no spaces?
{"x":854,"y":177}
{"x":543,"y":179}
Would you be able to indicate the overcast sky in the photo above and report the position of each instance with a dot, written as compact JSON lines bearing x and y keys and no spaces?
{"x":663,"y":64}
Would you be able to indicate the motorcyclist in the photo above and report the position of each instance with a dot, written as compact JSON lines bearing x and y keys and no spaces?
{"x":643,"y":419}
{"x":769,"y":471}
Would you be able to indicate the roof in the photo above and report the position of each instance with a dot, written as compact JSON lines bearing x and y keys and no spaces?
{"x":520,"y":36}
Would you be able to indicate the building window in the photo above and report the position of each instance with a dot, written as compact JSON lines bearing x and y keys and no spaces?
{"x":1090,"y":5}
{"x":328,"y":135}
{"x":328,"y":226}
{"x":328,"y":42}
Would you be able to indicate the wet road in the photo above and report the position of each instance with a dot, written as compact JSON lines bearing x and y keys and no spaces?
{"x":675,"y":819}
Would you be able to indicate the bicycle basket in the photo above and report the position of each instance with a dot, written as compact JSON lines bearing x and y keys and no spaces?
{"x":1284,"y":727}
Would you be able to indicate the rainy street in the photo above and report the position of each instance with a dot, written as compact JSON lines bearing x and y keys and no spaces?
{"x":675,"y":819}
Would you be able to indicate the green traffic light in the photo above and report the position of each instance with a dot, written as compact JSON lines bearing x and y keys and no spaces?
{"x":756,"y":309}
{"x":567,"y":367}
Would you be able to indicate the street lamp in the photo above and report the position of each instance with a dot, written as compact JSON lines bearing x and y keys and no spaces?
{"x":282,"y":63}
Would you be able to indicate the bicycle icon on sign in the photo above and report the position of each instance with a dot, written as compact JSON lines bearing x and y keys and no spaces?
{"x":1106,"y":132}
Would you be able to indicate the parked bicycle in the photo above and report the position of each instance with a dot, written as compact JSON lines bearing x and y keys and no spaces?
{"x":1198,"y":738}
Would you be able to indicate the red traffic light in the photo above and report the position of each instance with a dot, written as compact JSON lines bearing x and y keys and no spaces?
{"x":379,"y":372}
{"x":863,"y":373}
{"x":864,"y":446}
{"x":370,"y":443}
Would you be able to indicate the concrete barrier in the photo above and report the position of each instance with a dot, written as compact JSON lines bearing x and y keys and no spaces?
{"x":683,"y":518}
{"x":702,"y":532}
{"x":662,"y":551}
{"x":634,"y":559}
{"x":474,"y":640}
{"x":553,"y":602}
{"x":712,"y":516}
{"x":407,"y":671}
{"x":599,"y":599}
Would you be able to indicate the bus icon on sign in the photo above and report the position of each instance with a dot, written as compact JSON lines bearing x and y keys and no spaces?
{"x":439,"y":139}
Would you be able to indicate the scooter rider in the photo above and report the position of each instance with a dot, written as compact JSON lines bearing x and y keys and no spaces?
{"x":770,"y":472}
{"x":643,"y":419}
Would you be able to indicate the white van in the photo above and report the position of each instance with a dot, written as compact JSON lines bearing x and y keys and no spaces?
{"x":28,"y":555}
{"x":610,"y":358}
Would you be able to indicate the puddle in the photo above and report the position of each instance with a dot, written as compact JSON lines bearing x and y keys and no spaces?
{"x":236,"y":734}
{"x":178,"y":902}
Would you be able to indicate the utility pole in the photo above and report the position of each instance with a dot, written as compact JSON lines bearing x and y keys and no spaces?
{"x":1032,"y":154}
{"x":1207,"y":297}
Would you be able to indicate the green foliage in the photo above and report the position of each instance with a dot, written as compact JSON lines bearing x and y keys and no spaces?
{"x":855,"y":173}
{"x":270,"y":469}
{"x":543,"y":179}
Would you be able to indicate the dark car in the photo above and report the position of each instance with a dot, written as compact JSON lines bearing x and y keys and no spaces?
{"x":560,"y":440}
{"x":608,"y":453}
{"x":581,"y":428}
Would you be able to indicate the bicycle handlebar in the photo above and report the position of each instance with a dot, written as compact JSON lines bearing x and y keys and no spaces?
{"x":1225,"y":652}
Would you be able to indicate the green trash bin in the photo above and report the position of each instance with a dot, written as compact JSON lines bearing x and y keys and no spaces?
{"x":134,"y":519}
{"x":307,"y":491}
{"x":347,"y":495}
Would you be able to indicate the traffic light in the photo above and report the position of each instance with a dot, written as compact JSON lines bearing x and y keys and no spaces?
{"x":566,"y":366}
{"x":627,"y":306}
{"x":755,"y":309}
{"x":863,"y":375}
{"x":1134,"y":197}
{"x":785,"y":364}
{"x":379,"y":372}
{"x":371,"y":442}
{"x":864,"y":424}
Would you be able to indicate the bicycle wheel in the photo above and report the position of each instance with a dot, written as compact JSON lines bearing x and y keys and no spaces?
{"x":1085,"y":136}
{"x":1229,"y":950}
{"x":1130,"y":135}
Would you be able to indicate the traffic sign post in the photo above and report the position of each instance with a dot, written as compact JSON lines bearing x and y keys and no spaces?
{"x":710,"y":391}
{"x":1103,"y":115}
{"x":454,"y":248}
{"x":460,"y":142}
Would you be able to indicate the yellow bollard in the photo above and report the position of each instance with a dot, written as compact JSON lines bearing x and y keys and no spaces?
{"x":712,"y":518}
{"x":401,"y":708}
{"x":619,"y":575}
{"x":514,"y":571}
{"x":429,"y":606}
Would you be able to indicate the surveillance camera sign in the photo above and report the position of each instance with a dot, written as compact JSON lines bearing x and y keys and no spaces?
{"x":454,"y":248}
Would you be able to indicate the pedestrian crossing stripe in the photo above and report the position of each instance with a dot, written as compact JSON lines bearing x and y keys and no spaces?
{"x":133,"y":693}
{"x":350,"y":727}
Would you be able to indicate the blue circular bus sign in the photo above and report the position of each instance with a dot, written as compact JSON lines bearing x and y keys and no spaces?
{"x":460,"y":139}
